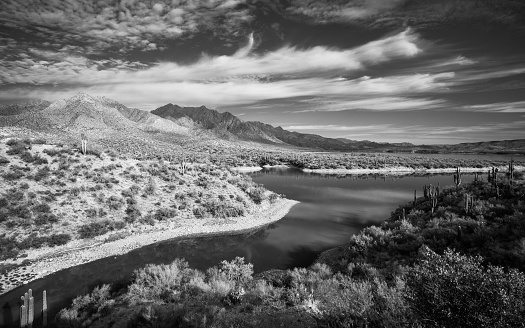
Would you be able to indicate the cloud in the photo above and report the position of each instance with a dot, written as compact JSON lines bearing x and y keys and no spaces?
{"x":334,"y":127}
{"x":441,"y":134}
{"x":381,"y":13}
{"x":374,"y":103}
{"x":501,"y":107}
{"x":126,"y":25}
{"x":241,"y":78}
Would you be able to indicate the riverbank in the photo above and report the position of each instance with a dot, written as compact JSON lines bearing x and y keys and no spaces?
{"x":44,"y":261}
{"x":402,"y":170}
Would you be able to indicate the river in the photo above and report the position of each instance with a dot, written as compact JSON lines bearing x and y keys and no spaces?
{"x":332,"y":208}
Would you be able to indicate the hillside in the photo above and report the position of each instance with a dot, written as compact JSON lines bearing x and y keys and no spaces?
{"x":69,"y":200}
{"x":227,"y":125}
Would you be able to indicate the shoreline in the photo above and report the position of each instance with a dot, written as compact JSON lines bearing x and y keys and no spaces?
{"x":398,"y":170}
{"x":46,"y":261}
{"x":408,"y":170}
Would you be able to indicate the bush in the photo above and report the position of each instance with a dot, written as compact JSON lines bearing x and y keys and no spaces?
{"x":159,"y":282}
{"x":133,"y":213}
{"x":59,"y":239}
{"x":45,"y":218}
{"x":454,"y":290}
{"x":4,"y":160}
{"x":151,"y":187}
{"x":93,"y":229}
{"x":256,"y":194}
{"x":223,"y":209}
{"x":165,"y":213}
{"x":42,"y":208}
{"x":114,"y":202}
{"x":86,"y":309}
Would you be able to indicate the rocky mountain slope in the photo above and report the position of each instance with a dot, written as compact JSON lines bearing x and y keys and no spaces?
{"x":95,"y":116}
{"x":227,"y":125}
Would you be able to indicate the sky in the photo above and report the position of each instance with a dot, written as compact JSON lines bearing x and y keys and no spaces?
{"x":419,"y":71}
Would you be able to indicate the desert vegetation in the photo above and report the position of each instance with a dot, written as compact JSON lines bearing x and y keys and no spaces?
{"x":53,"y":194}
{"x":451,"y":258}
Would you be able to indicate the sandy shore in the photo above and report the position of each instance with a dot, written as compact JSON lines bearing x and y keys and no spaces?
{"x":45,"y":261}
{"x":246,"y":169}
{"x":401,"y":170}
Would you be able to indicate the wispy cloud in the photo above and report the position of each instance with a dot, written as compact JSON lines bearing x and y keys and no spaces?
{"x":501,"y":107}
{"x":243,"y":77}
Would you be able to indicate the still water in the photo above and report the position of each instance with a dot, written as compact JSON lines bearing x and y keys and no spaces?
{"x":332,"y":208}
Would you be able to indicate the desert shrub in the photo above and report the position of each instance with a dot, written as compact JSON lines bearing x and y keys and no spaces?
{"x":13,"y":175}
{"x":133,"y":213}
{"x":222,"y":209}
{"x":39,"y":160}
{"x":75,"y":191}
{"x":42,"y":208}
{"x":91,"y":213}
{"x":86,"y":309}
{"x":199,"y":212}
{"x":159,"y":282}
{"x":59,"y":239}
{"x":114,"y":202}
{"x":45,"y":218}
{"x":8,"y":247}
{"x":273,"y":197}
{"x":165,"y":213}
{"x":236,"y":270}
{"x":256,"y":194}
{"x":39,"y":141}
{"x":93,"y":229}
{"x":116,"y":225}
{"x":17,"y":146}
{"x":147,"y":219}
{"x":42,"y":173}
{"x":4,"y":160}
{"x":151,"y":187}
{"x":454,"y":290}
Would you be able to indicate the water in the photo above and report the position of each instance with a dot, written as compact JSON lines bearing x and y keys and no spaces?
{"x":332,"y":208}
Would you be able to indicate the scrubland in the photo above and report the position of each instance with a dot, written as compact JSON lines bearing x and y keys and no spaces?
{"x":453,"y":258}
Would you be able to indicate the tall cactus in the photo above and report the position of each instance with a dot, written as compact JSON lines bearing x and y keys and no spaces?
{"x":84,"y":143}
{"x":44,"y":309}
{"x":457,"y":178}
{"x":27,"y":310}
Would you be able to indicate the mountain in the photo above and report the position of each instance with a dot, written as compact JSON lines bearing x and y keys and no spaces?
{"x":27,"y":107}
{"x":229,"y":126}
{"x":94,"y":116}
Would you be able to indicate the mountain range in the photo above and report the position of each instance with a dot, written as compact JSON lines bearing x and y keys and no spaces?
{"x":100,"y":117}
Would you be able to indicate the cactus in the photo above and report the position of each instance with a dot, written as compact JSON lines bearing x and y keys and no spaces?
{"x":457,"y":178}
{"x":511,"y":172}
{"x":84,"y":143}
{"x":44,"y":309}
{"x":27,"y":309}
{"x":431,"y":193}
{"x":469,"y":203}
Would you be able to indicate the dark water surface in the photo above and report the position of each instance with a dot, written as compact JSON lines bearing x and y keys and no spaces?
{"x":332,"y":208}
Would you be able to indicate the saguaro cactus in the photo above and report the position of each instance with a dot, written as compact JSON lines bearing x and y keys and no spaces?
{"x":84,"y":143}
{"x":44,"y":309}
{"x":27,"y":310}
{"x":457,"y":177}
